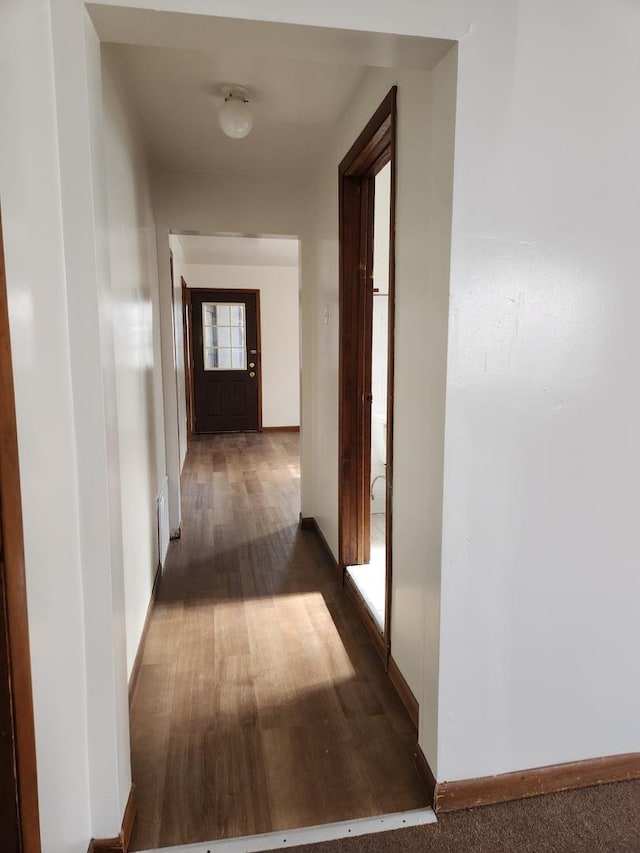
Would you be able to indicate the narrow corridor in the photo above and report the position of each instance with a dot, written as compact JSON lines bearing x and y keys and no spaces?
{"x":260,"y":703}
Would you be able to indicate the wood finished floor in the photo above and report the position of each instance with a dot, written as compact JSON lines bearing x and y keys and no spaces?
{"x":260,"y":704}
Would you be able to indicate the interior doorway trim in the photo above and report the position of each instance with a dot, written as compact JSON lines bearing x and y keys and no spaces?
{"x":372,"y":150}
{"x":13,"y":600}
{"x":188,"y":363}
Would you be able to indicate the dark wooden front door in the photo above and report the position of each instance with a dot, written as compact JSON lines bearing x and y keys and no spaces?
{"x":226,"y":360}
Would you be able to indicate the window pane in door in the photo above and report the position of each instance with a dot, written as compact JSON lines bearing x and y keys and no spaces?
{"x":224,"y":336}
{"x":224,"y":358}
{"x":224,"y":318}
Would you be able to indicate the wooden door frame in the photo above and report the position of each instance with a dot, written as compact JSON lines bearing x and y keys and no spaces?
{"x":12,"y":561}
{"x":173,"y":327}
{"x":373,"y":149}
{"x":188,"y":354}
{"x":230,"y":291}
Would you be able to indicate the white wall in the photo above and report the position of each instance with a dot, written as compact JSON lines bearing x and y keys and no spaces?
{"x":212,"y":204}
{"x":540,"y":550}
{"x":30,"y":195}
{"x":539,"y":629}
{"x":53,"y":195}
{"x":63,"y":313}
{"x":133,"y":321}
{"x":431,"y":327}
{"x":279,"y":323}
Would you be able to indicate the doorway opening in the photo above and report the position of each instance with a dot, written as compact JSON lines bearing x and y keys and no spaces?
{"x":243,"y":561}
{"x":367,"y":276}
{"x":236,"y":333}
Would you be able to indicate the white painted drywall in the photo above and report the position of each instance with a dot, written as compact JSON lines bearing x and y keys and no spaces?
{"x":539,"y":633}
{"x":31,"y":202}
{"x":431,"y":325}
{"x":54,"y":195}
{"x":93,"y":376}
{"x":538,"y":625}
{"x":280,"y":331}
{"x":212,"y":204}
{"x":134,"y":323}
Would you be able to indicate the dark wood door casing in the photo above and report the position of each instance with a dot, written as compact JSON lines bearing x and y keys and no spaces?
{"x":374,"y":148}
{"x":188,"y":360}
{"x":19,"y":787}
{"x":356,"y":311}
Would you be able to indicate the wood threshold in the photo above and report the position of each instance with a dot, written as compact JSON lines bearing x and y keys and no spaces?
{"x":280,"y":429}
{"x":425,"y":773}
{"x":404,"y":692}
{"x":121,"y":843}
{"x":137,"y":663}
{"x":487,"y":790}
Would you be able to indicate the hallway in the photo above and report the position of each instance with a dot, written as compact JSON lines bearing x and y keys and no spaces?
{"x":260,"y":703}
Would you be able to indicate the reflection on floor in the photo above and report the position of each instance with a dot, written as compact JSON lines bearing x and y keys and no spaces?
{"x":370,"y":578}
{"x":261,"y":703}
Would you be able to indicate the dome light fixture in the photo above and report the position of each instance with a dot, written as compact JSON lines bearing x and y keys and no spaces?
{"x":234,"y":115}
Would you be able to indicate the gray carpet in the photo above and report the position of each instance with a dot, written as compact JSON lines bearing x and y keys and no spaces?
{"x":604,"y":819}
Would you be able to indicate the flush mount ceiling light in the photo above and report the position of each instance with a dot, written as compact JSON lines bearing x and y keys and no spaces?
{"x":234,"y":115}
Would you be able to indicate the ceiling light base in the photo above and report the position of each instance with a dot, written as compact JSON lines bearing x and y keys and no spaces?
{"x":235,"y":117}
{"x":239,"y":92}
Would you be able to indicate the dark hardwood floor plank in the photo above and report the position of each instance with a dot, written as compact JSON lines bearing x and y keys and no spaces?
{"x":261,"y":703}
{"x":151,"y":720}
{"x":187,"y":813}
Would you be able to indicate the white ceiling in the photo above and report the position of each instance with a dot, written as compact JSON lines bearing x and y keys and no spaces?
{"x":176,"y":95}
{"x":302,"y":79}
{"x":235,"y":250}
